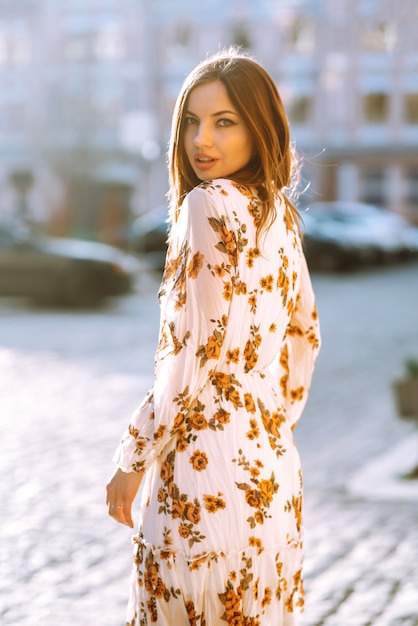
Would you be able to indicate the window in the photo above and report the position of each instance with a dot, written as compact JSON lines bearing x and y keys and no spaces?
{"x":14,"y":45}
{"x":179,"y":42}
{"x":70,"y":110}
{"x":14,"y":107}
{"x":373,"y":186}
{"x":85,"y":106}
{"x":108,"y":44}
{"x":88,"y":37}
{"x":301,"y":36}
{"x":376,"y":107}
{"x":107,"y":106}
{"x":380,"y":38}
{"x":411,"y":108}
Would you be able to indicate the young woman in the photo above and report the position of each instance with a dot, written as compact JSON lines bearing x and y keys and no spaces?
{"x":220,"y":538}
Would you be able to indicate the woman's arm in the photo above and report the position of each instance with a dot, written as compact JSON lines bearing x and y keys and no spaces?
{"x":300,"y":349}
{"x":194,"y":322}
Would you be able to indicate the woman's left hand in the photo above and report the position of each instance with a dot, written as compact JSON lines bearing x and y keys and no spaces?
{"x":120,"y":493}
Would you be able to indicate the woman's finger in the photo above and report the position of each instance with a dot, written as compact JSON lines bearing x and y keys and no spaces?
{"x":127,"y":514}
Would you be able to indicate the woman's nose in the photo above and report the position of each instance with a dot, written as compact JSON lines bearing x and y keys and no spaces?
{"x":203,"y":136}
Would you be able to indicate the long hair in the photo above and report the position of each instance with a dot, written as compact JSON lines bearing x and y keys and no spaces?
{"x":257,"y":100}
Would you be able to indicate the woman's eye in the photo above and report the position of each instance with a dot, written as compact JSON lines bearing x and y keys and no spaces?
{"x":190,"y":120}
{"x":225,"y":122}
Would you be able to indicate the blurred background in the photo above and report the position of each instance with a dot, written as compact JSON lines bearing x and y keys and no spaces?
{"x":87,"y":90}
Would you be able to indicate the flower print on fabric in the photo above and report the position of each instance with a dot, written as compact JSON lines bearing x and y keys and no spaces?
{"x":221,"y":531}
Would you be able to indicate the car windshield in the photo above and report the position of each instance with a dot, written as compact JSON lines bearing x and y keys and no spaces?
{"x":346,"y":213}
{"x":18,"y":236}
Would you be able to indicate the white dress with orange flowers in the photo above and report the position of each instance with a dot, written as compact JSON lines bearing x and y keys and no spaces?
{"x":220,"y":537}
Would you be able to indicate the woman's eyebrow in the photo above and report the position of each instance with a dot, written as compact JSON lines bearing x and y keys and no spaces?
{"x":225,"y":112}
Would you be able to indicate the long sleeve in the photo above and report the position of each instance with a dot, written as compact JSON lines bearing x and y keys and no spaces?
{"x":194,"y":317}
{"x":300,"y":349}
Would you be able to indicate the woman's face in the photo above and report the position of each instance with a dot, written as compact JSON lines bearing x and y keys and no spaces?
{"x":216,"y":140}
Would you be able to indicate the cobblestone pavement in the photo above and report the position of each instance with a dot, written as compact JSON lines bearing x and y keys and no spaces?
{"x":68,"y":382}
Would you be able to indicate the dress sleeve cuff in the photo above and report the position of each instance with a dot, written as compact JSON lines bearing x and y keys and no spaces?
{"x":125,"y":456}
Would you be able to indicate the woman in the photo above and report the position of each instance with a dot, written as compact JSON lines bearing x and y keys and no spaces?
{"x":220,"y":538}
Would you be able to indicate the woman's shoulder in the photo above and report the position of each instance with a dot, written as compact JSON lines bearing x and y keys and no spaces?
{"x":222,"y":189}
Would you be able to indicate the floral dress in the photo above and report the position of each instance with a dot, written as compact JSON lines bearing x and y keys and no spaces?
{"x":220,"y":537}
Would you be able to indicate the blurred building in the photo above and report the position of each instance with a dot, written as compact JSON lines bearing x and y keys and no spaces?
{"x":76,"y":112}
{"x":348,"y":74}
{"x":87,"y":89}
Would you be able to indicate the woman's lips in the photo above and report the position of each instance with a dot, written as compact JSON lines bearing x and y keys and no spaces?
{"x":203,"y":162}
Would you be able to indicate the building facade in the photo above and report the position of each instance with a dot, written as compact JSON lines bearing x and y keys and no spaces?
{"x":87,"y":89}
{"x":348,"y":74}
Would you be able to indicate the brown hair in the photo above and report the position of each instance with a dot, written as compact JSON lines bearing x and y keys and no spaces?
{"x":257,"y":100}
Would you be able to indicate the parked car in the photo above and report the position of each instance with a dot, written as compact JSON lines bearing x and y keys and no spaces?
{"x":344,"y":235}
{"x":338,"y":236}
{"x":62,"y":271}
{"x":148,"y":236}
